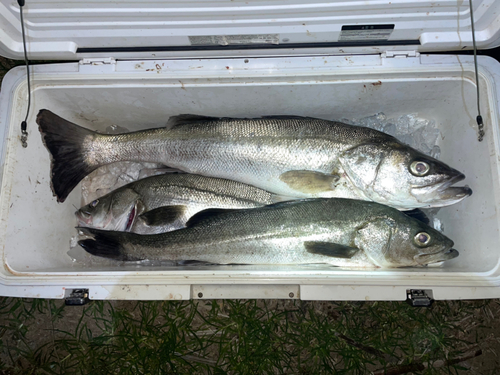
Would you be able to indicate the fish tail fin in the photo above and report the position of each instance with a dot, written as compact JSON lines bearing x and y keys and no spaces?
{"x":106,"y":244}
{"x":65,"y":142}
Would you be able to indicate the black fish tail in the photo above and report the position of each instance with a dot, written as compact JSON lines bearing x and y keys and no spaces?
{"x":107,"y":244}
{"x":65,"y":142}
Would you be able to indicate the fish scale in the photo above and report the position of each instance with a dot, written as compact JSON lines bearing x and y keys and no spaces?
{"x":175,"y":197}
{"x":299,"y":157}
{"x":339,"y":232}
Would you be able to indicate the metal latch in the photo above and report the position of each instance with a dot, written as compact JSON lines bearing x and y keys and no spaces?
{"x":419,"y":297}
{"x":97,"y":61}
{"x":400,"y":54}
{"x":97,"y":65}
{"x":76,"y":297}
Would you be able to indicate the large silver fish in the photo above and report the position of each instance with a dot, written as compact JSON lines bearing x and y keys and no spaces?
{"x":163,"y":203}
{"x":292,"y":156}
{"x":340,"y":232}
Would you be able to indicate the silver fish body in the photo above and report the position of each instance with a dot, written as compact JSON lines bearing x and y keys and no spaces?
{"x":340,"y":232}
{"x":165,"y":202}
{"x":293,"y":156}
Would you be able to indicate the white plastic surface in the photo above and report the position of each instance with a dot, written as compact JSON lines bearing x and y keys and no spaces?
{"x":36,"y":231}
{"x":56,"y":29}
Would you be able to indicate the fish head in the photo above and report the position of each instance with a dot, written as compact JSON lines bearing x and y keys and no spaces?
{"x":402,"y":177}
{"x":397,"y":240}
{"x":115,"y":211}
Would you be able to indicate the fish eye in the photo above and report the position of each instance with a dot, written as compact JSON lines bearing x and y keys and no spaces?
{"x":94,"y":203}
{"x":422,"y":239}
{"x":419,"y":168}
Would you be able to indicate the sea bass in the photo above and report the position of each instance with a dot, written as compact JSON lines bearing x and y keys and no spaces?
{"x":163,"y":203}
{"x":340,"y":232}
{"x":299,"y":157}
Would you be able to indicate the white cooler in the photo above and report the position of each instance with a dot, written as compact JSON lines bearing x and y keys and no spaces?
{"x":137,"y":63}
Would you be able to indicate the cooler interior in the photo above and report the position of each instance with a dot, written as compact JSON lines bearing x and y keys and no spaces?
{"x":36,"y":231}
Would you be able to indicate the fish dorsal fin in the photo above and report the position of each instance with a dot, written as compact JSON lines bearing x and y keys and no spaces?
{"x":418,"y":214}
{"x":285,"y":117}
{"x":188,"y":119}
{"x":330,"y":249}
{"x":207,"y":214}
{"x":287,"y":203}
{"x":214,"y":212}
{"x":163,"y":215}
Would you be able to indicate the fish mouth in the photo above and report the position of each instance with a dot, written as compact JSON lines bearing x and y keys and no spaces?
{"x":453,"y":194}
{"x":451,"y":181}
{"x":444,"y":194}
{"x":84,"y":218}
{"x":439,"y":256}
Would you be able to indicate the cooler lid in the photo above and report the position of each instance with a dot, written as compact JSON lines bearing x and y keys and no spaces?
{"x":73,"y":29}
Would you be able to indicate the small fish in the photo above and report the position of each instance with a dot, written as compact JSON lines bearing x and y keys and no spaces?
{"x":163,"y":203}
{"x":299,"y":157}
{"x":340,"y":232}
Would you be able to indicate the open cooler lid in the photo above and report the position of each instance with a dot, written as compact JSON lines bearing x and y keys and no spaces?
{"x":72,"y":29}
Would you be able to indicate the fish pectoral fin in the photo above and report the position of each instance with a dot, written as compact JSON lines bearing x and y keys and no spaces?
{"x":206,"y":214}
{"x":163,"y":215}
{"x":309,"y":182}
{"x":188,"y":119}
{"x":330,"y":249}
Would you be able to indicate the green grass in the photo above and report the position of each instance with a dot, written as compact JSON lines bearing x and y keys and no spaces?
{"x":241,"y":337}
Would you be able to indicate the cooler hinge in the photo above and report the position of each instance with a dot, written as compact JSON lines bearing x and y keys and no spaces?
{"x":95,"y":65}
{"x":400,"y":54}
